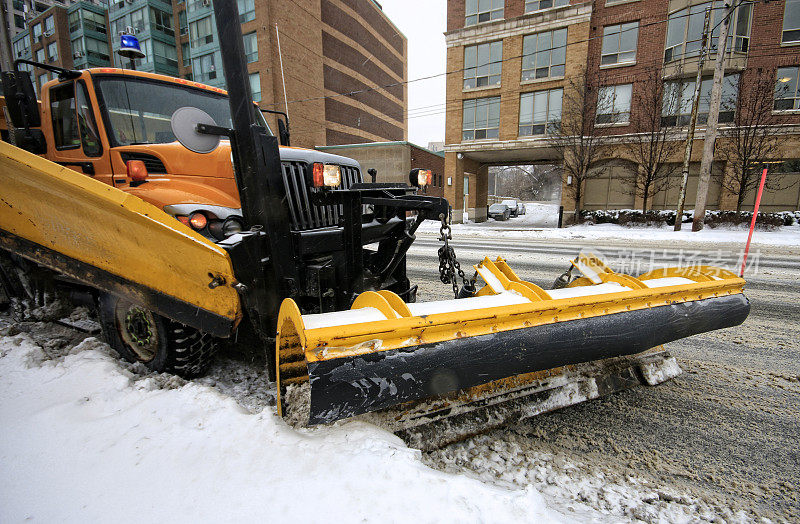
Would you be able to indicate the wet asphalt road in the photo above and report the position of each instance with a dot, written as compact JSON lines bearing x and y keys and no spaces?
{"x":727,"y":431}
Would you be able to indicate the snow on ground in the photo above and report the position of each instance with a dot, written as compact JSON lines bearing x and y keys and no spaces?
{"x":86,"y":438}
{"x":541,"y":220}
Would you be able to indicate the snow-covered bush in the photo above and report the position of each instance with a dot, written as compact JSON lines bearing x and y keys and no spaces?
{"x":635,"y":217}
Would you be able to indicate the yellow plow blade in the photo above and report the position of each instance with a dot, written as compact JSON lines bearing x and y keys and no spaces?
{"x":384,"y":352}
{"x":113,"y":241}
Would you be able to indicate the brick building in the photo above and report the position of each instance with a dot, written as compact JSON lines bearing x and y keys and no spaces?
{"x":323,"y":58}
{"x":513,"y":62}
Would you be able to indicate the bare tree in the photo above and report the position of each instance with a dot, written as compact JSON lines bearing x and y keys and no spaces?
{"x":652,"y":145}
{"x":575,"y":137}
{"x":529,"y":182}
{"x":752,"y":139}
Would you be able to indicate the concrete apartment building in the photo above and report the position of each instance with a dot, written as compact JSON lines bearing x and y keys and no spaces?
{"x":513,"y":62}
{"x":73,"y":37}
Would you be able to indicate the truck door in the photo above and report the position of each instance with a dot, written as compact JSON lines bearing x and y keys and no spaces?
{"x":76,"y":143}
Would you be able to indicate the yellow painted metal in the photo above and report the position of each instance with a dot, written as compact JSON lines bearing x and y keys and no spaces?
{"x":406,"y":331}
{"x":97,"y":224}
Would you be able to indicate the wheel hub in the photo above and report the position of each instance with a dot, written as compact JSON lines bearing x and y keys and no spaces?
{"x":138,"y":330}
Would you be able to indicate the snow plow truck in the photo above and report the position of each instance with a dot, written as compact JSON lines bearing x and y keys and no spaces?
{"x":172,"y":206}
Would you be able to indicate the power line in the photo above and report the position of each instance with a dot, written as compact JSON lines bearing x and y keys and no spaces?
{"x":461,"y":70}
{"x":657,"y":65}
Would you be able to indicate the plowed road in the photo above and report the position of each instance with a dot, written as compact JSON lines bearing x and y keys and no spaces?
{"x":726,"y":431}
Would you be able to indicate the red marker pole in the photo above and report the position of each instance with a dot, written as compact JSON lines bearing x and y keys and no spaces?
{"x":753,"y":222}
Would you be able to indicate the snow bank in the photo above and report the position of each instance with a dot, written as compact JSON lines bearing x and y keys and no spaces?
{"x":84,"y":439}
{"x":784,"y":236}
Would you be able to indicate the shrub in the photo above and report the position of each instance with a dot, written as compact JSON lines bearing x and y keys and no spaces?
{"x":714,"y":219}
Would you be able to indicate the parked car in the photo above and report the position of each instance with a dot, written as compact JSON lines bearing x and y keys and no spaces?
{"x":499,"y":212}
{"x":512,"y":206}
{"x":520,"y":208}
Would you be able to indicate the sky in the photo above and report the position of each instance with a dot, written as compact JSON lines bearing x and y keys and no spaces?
{"x":424,"y":23}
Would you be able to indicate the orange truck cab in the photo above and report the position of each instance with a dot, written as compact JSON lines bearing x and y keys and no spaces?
{"x":115,"y":125}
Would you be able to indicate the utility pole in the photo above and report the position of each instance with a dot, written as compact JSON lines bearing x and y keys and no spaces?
{"x":713,"y":120}
{"x":6,"y":61}
{"x":687,"y":151}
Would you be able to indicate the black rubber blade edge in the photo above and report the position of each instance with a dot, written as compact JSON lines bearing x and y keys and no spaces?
{"x":349,"y":386}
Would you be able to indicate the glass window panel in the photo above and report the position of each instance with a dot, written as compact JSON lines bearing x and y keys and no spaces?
{"x":86,"y":123}
{"x":65,"y":125}
{"x":554,"y":105}
{"x":540,"y":107}
{"x":622,"y":101}
{"x":629,"y":34}
{"x":525,"y":108}
{"x":791,"y":16}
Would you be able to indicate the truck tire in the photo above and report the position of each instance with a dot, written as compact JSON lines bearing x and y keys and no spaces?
{"x":161,"y":344}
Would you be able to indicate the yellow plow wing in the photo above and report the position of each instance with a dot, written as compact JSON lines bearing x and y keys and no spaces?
{"x":113,"y":241}
{"x":383,"y":352}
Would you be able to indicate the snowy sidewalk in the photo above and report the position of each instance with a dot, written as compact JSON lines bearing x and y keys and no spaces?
{"x":529,"y":227}
{"x":84,"y":439}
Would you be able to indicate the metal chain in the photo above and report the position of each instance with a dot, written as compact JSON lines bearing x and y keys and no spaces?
{"x":449,"y":265}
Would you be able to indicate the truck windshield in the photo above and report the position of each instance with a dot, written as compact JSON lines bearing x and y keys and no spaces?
{"x":139,"y":111}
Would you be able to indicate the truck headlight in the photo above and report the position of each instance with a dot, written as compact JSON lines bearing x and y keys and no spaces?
{"x":231,"y":227}
{"x":420,"y":177}
{"x":327,"y":175}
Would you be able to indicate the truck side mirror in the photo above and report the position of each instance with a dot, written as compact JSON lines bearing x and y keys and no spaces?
{"x":21,"y":103}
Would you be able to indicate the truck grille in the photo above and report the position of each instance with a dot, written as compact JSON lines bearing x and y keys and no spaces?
{"x":303,"y":214}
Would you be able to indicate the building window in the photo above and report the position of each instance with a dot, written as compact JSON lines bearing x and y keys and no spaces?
{"x":251,"y":47}
{"x":182,"y":23}
{"x":40,"y":55}
{"x":787,"y":95}
{"x":483,"y":64}
{"x":540,"y":112}
{"x":49,"y":25}
{"x":619,"y":44}
{"x":42,"y":80}
{"x":186,"y":55}
{"x":161,"y":20}
{"x":478,"y":11}
{"x":52,"y":51}
{"x":204,"y":68}
{"x":165,"y":55}
{"x":201,"y":32}
{"x":19,"y":22}
{"x":481,"y":118}
{"x":19,"y":5}
{"x":74,"y":21}
{"x":685,"y":31}
{"x":97,"y":49}
{"x":94,"y":22}
{"x":255,"y":86}
{"x":137,"y":20}
{"x":677,"y":101}
{"x":21,"y":47}
{"x":791,"y":21}
{"x":614,"y":104}
{"x":544,"y":54}
{"x":538,"y":5}
{"x":37,"y":31}
{"x":247,"y":10}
